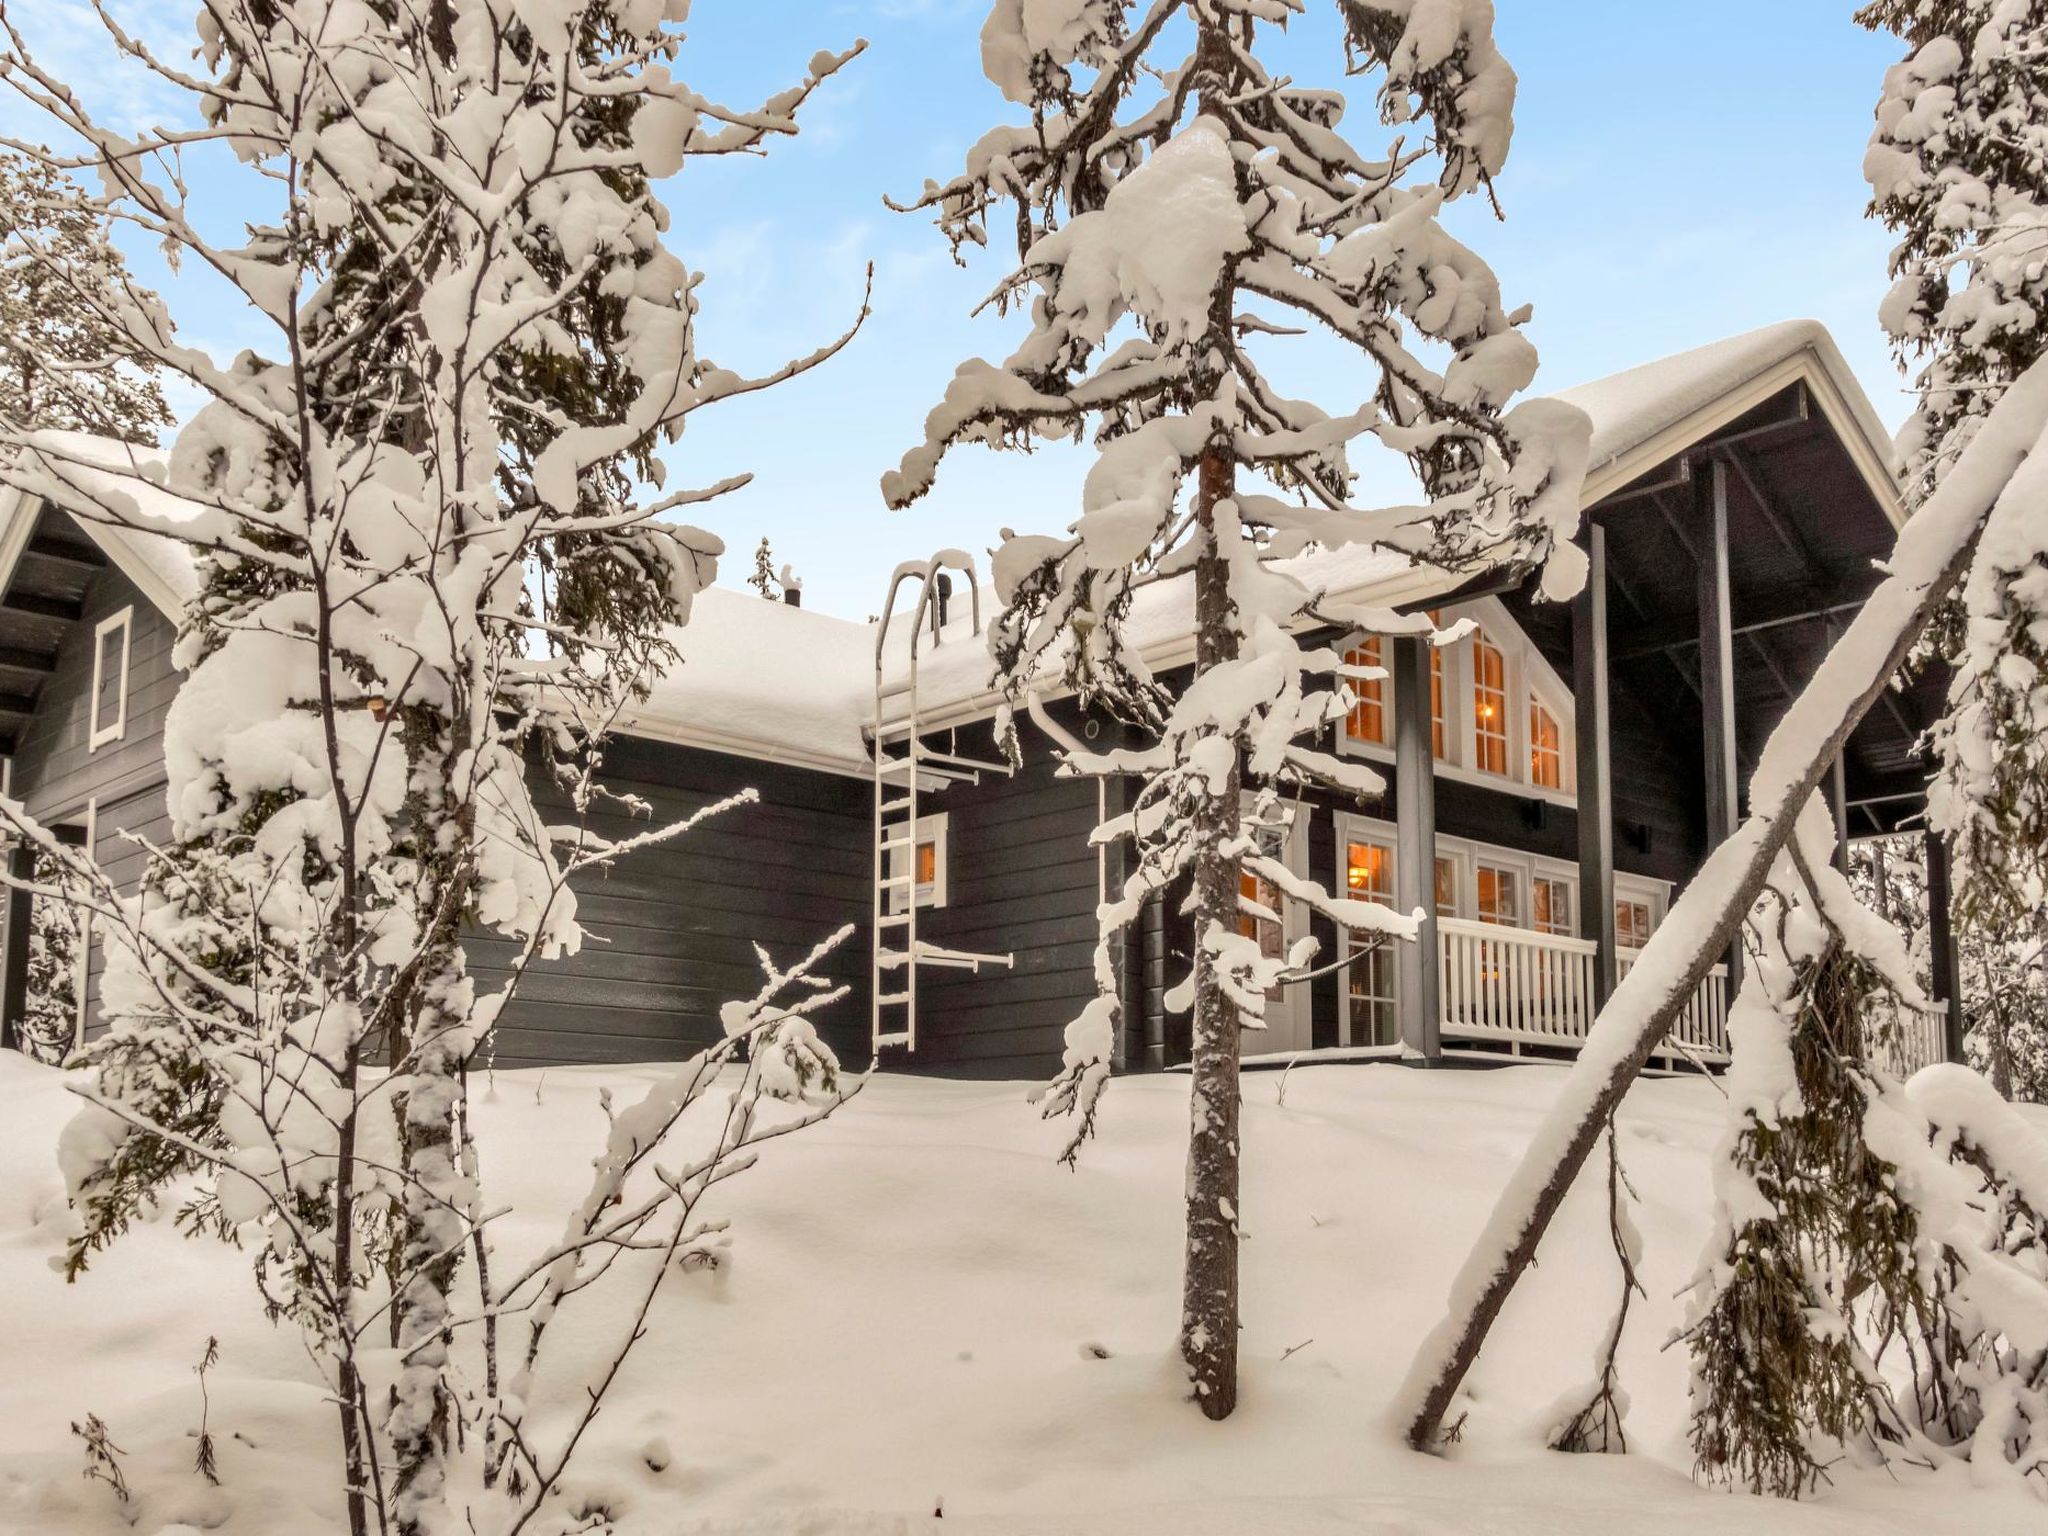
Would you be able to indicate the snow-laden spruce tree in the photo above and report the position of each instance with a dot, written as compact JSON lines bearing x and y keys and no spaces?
{"x":1876,"y":1283}
{"x":1811,"y":1268}
{"x":1958,"y":169}
{"x":1175,"y":209}
{"x":61,"y":363}
{"x":424,"y":555}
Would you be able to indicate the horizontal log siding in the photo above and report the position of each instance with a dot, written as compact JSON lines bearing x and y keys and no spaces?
{"x":57,"y":778}
{"x":1021,"y":880}
{"x":670,"y":929}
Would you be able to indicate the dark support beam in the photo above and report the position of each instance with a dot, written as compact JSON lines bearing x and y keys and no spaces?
{"x":1838,"y":785}
{"x":14,"y":959}
{"x":1838,"y":807}
{"x":76,"y":553}
{"x":35,"y":605}
{"x":1717,"y":664}
{"x":1594,"y":732}
{"x":1681,"y":632}
{"x":1781,"y":526}
{"x":1945,"y":965}
{"x":15,"y":659}
{"x":1421,"y":1007}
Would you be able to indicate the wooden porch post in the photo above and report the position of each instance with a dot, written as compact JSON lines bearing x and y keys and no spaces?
{"x":21,"y":863}
{"x":1838,"y":784}
{"x":1421,"y":1008}
{"x":1946,"y":972}
{"x":1594,"y":737}
{"x":1717,"y":664}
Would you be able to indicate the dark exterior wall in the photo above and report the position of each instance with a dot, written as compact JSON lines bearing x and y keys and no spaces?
{"x":1021,"y":880}
{"x":57,"y":778}
{"x":671,"y":928}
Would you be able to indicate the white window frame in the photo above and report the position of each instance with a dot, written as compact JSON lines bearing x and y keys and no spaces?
{"x":98,"y":735}
{"x":1289,"y":1023}
{"x":935,"y":829}
{"x":1654,"y":894}
{"x":1525,"y":674}
{"x":1354,"y":828}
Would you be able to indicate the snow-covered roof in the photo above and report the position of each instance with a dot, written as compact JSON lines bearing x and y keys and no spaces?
{"x":1642,"y":415}
{"x":161,"y":567}
{"x":786,"y":684}
{"x":766,"y":680}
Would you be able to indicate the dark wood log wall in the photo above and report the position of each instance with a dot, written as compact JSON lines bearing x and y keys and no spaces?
{"x":55,"y":775}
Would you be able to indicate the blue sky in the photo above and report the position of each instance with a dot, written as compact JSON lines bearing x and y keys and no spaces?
{"x":1679,"y":173}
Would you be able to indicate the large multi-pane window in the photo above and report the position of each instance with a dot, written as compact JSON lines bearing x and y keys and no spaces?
{"x":1368,"y":718}
{"x":1369,"y":876}
{"x":1546,"y":748}
{"x":1550,"y":905}
{"x":1499,"y":893}
{"x":1517,"y":710}
{"x":1489,"y":706}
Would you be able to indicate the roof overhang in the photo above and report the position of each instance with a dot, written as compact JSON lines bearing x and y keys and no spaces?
{"x":1841,"y":403}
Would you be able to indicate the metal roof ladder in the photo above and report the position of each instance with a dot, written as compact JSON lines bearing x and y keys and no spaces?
{"x":905,"y":768}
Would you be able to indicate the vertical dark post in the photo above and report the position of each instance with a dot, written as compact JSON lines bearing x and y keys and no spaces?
{"x":1946,"y":979}
{"x":1418,"y":986}
{"x":1593,"y":724}
{"x":1838,"y":787}
{"x":1838,"y":807}
{"x":1717,"y":664}
{"x":21,"y":864}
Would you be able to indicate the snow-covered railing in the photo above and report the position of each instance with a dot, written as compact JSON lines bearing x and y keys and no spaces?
{"x":1528,"y":988}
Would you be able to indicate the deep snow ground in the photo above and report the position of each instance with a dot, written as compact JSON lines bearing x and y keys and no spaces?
{"x":916,"y":1314}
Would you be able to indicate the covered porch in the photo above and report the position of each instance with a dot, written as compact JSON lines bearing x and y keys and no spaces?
{"x":1737,"y":505}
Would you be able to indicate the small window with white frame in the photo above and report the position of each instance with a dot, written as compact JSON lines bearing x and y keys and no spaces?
{"x":108,"y":708}
{"x":1550,"y":905}
{"x":925,"y":860}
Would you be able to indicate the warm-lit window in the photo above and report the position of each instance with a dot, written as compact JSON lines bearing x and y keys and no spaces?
{"x":1489,"y":706}
{"x":1368,"y":871}
{"x":1550,"y":905}
{"x":1546,"y":748}
{"x":1499,"y":896}
{"x":1368,"y":718}
{"x":1446,"y":887}
{"x":1369,"y":985}
{"x":1631,"y":924}
{"x":923,"y":861}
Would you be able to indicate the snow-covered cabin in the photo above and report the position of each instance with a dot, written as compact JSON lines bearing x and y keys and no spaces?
{"x":1580,"y":762}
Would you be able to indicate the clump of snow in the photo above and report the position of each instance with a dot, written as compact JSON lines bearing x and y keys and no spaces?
{"x":926,"y":1310}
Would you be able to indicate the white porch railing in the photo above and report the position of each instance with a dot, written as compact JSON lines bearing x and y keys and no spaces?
{"x":1528,"y":988}
{"x":1917,"y":1040}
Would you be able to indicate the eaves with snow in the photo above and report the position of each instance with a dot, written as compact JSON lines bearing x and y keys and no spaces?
{"x":771,"y":681}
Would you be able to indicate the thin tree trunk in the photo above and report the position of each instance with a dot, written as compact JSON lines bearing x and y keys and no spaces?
{"x":1209,"y":1299}
{"x":1209,"y":1318}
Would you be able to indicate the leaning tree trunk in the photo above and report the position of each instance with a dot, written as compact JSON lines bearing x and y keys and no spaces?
{"x":1932,"y":554}
{"x":1209,"y":1293}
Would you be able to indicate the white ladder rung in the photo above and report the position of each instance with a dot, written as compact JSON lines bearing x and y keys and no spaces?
{"x":890,"y":845}
{"x":893,"y":920}
{"x":894,"y":882}
{"x":895,"y":1037}
{"x":900,"y":803}
{"x":886,"y":999}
